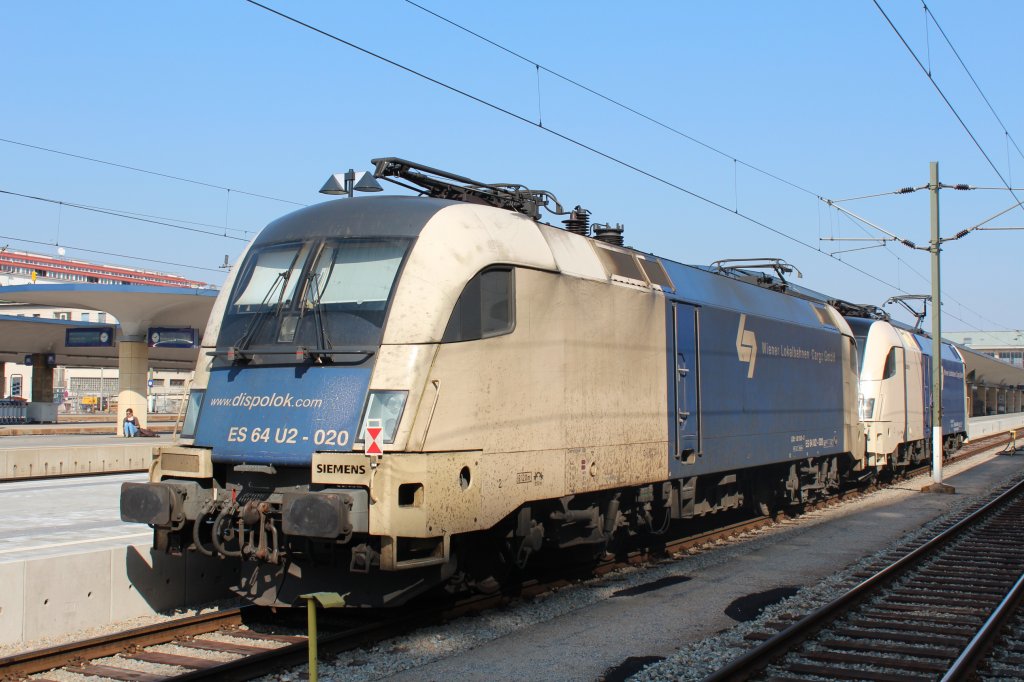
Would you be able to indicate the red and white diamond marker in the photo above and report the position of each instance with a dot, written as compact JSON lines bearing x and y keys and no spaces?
{"x":374,"y":435}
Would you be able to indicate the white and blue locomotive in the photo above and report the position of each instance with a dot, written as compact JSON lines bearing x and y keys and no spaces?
{"x":399,"y":393}
{"x":896,"y":392}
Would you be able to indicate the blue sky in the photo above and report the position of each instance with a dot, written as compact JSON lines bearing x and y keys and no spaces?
{"x":821,"y":94}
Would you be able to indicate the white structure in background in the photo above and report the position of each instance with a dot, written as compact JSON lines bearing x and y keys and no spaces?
{"x":1007,"y":346}
{"x":83,"y":389}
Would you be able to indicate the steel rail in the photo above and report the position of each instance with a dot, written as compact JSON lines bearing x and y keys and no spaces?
{"x":39,"y":660}
{"x":967,"y":663}
{"x":761,"y":656}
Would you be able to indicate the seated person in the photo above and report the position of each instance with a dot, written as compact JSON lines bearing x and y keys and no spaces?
{"x":131,"y":424}
{"x":133,"y":427}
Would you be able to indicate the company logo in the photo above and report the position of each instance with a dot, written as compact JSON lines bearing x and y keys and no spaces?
{"x":346,"y":469}
{"x":746,"y":346}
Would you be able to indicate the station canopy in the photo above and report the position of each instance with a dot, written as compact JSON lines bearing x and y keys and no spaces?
{"x":983,"y":370}
{"x":137,"y":308}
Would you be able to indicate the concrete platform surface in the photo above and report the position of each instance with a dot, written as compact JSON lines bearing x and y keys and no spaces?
{"x":64,"y":516}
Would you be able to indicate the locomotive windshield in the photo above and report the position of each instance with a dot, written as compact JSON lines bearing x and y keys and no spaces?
{"x":325,"y":295}
{"x":272,"y":279}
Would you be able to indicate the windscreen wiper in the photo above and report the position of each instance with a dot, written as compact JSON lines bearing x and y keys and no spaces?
{"x":313,"y":281}
{"x":260,"y":318}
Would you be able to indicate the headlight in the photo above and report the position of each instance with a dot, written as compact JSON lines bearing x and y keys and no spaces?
{"x":867,"y":407}
{"x":387,"y":406}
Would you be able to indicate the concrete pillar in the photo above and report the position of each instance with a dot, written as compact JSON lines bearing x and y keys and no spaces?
{"x":42,"y":379}
{"x":992,"y":401}
{"x":3,"y":380}
{"x":133,"y":368}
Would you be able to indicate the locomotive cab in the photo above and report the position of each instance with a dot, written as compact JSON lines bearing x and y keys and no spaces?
{"x":896,"y":393}
{"x":299,"y":438}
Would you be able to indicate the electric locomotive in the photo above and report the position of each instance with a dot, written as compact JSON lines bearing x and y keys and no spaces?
{"x":896,"y":393}
{"x":400,"y":393}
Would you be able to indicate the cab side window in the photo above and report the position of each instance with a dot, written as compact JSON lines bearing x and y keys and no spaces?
{"x":890,"y":364}
{"x":486,"y":307}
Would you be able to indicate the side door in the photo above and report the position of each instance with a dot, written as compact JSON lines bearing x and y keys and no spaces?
{"x":928,"y":395}
{"x":687,"y":382}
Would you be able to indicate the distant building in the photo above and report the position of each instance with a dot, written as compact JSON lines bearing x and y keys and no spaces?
{"x":1007,"y":346}
{"x":20,"y":267}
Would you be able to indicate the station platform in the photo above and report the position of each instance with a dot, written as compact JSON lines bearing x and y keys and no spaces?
{"x":82,"y":425}
{"x":68,"y":562}
{"x":65,"y":516}
{"x":77,"y":445}
{"x":978,"y":427}
{"x":64,"y":454}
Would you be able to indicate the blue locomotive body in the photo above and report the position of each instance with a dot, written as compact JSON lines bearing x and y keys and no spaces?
{"x":762,"y":384}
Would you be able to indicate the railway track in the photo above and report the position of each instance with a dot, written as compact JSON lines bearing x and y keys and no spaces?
{"x":182,"y":648}
{"x":933,"y":614}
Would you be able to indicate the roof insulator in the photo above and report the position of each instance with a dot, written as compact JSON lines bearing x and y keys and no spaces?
{"x":578,"y":221}
{"x":609,"y":234}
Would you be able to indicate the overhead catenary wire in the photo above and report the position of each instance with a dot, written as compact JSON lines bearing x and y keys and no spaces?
{"x":711,"y":148}
{"x":1006,"y":183}
{"x":133,"y":214}
{"x":861,"y":221}
{"x":133,"y":256}
{"x":582,"y":145}
{"x":949,"y":42}
{"x":611,"y":100}
{"x":902,"y":190}
{"x":150,"y":172}
{"x":883,"y":243}
{"x":566,"y":138}
{"x":924,"y":278}
{"x":945,"y":99}
{"x":120,"y":214}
